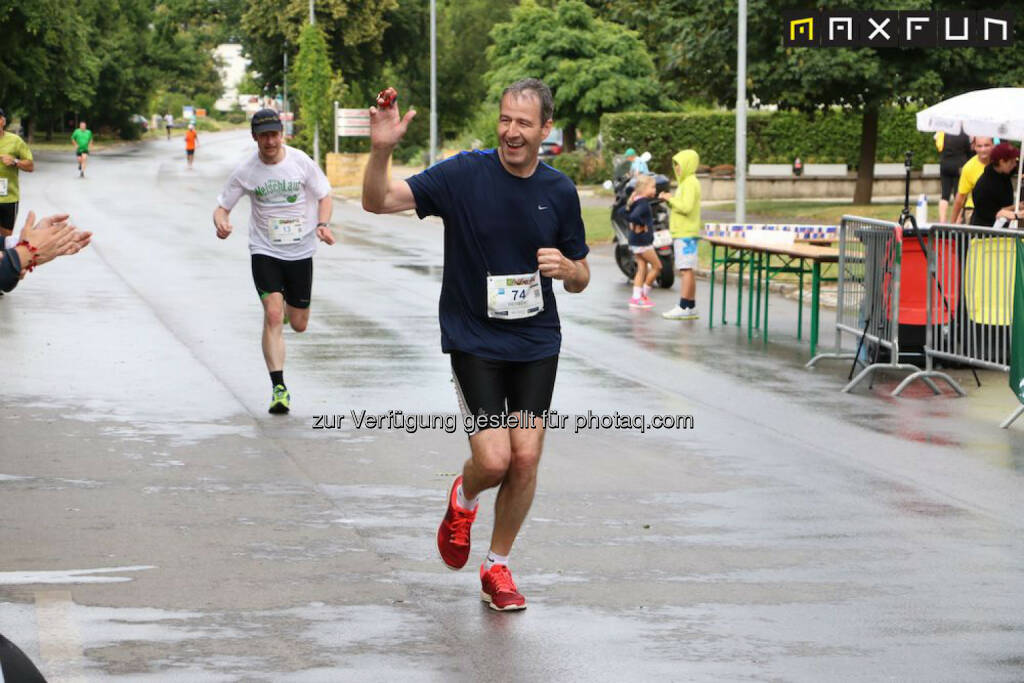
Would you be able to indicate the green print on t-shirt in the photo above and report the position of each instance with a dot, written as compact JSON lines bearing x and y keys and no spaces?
{"x":278,"y":191}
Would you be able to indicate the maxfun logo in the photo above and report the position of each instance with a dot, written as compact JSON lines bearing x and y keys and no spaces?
{"x":898,"y":29}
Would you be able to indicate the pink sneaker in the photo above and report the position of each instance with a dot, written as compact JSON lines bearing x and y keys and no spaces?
{"x":646,"y":303}
{"x":635,"y":302}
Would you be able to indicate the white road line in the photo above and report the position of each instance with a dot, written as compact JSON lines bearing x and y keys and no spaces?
{"x":69,"y":576}
{"x":60,"y":644}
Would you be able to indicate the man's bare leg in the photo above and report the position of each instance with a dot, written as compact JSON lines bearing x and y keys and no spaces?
{"x":518,"y":487}
{"x":273,"y":331}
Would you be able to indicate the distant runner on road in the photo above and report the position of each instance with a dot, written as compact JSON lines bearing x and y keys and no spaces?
{"x":191,"y":140}
{"x":291,"y":207}
{"x":82,"y":137}
{"x":512,"y":225}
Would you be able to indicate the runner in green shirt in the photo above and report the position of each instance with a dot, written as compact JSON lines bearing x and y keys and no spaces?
{"x":82,"y":138}
{"x":15,"y":156}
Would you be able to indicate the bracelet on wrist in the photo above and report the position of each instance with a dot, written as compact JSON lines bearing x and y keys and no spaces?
{"x":31,"y":250}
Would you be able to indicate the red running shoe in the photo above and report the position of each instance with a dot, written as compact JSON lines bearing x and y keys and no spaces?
{"x":453,"y":534}
{"x":499,"y":590}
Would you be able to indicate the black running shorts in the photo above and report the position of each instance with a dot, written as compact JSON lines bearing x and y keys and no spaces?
{"x":488,"y":387}
{"x":293,"y":279}
{"x":8,"y":215}
{"x":949,"y":175}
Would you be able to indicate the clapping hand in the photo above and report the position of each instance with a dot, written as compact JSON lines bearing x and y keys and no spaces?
{"x":52,"y":236}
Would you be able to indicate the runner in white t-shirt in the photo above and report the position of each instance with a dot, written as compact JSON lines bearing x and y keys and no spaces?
{"x":291,"y":209}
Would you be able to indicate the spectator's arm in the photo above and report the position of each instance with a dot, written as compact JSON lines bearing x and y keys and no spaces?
{"x":958,"y":207}
{"x":684,"y":204}
{"x":10,"y":268}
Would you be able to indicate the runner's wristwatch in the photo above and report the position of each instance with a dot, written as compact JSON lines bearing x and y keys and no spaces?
{"x":321,"y":224}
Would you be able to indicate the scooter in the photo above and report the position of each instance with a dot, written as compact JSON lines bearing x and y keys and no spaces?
{"x":623,"y":186}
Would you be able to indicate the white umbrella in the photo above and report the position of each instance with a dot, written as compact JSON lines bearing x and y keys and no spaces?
{"x":992,"y":113}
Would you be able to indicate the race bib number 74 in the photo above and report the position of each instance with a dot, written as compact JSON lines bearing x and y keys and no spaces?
{"x":514,"y":296}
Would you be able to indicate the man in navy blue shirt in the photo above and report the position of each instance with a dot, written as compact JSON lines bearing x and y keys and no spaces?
{"x":511,"y":226}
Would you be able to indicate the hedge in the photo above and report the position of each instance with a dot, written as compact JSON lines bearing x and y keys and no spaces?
{"x":582,"y":166}
{"x":772,"y":137}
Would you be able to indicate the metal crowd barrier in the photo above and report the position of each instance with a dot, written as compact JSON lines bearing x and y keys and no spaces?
{"x":971,"y":273}
{"x":867,"y":308}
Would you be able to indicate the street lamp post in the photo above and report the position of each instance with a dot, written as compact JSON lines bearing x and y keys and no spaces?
{"x":741,"y":114}
{"x":316,"y":124}
{"x":433,"y":82}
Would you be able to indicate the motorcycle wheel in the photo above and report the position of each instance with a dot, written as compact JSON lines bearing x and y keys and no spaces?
{"x":625,"y":261}
{"x":668,"y":271}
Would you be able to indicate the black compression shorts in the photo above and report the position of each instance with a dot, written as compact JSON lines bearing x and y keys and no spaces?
{"x":8,"y":215}
{"x":293,"y":279}
{"x":488,"y":387}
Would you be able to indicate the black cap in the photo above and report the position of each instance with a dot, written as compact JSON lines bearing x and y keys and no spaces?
{"x":266,"y":120}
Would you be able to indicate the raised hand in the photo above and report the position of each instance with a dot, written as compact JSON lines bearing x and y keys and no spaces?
{"x":386,"y":125}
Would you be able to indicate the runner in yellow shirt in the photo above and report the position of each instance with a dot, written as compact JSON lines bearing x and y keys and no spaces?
{"x":15,"y":156}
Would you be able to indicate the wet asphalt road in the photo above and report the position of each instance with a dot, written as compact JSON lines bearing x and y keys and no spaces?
{"x":158,"y":525}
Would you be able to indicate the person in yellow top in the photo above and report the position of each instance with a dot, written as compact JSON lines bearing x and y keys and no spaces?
{"x":969,"y":175}
{"x":15,"y":156}
{"x":684,"y":222}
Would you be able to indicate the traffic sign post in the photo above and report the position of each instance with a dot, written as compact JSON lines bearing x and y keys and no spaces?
{"x":351,"y":123}
{"x":288,"y":118}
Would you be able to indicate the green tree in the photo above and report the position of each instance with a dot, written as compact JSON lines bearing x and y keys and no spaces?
{"x":463,"y":35}
{"x":184,"y":34}
{"x":102,"y":59}
{"x":592,"y":66}
{"x":657,"y":24}
{"x":120,"y":36}
{"x":702,"y":54}
{"x":356,"y":33}
{"x":313,"y":82}
{"x":48,"y":68}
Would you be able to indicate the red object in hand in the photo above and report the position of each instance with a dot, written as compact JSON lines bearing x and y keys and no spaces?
{"x":386,"y":97}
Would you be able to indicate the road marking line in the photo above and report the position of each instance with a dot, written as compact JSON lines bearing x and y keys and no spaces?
{"x":70,"y":575}
{"x":60,"y":644}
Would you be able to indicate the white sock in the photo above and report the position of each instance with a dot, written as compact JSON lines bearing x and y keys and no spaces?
{"x":636,"y":292}
{"x":646,"y":290}
{"x":494,"y":558}
{"x":460,"y":500}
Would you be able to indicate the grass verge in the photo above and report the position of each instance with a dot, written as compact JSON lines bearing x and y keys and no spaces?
{"x":598,"y":223}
